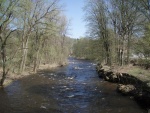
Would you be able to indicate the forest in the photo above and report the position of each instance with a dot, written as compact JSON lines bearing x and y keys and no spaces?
{"x":118,"y":32}
{"x":32,"y":32}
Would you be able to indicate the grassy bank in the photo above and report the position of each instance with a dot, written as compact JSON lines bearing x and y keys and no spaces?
{"x":139,"y":72}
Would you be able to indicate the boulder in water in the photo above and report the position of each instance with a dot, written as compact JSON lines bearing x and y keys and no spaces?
{"x":126,"y":89}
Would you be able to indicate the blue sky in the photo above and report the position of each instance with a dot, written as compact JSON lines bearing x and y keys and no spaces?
{"x":74,"y":12}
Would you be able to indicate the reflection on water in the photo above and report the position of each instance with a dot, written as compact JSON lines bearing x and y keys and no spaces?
{"x":75,"y":88}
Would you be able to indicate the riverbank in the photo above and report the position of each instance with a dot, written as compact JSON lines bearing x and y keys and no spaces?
{"x":132,"y":81}
{"x":14,"y":76}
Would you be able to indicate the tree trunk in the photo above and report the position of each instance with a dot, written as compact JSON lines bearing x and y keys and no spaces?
{"x":3,"y":54}
{"x":128,"y":50}
{"x":36,"y":61}
{"x":122,"y":52}
{"x":107,"y":47}
{"x":24,"y":56}
{"x":121,"y":57}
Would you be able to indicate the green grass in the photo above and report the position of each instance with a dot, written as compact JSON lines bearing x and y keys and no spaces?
{"x":139,"y":73}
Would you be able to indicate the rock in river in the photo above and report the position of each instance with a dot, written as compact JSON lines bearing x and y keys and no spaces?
{"x":126,"y":89}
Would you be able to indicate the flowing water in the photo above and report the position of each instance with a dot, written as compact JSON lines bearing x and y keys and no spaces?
{"x":74,"y":88}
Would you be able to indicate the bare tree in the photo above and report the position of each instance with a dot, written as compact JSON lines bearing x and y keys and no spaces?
{"x":39,"y":10}
{"x":124,"y":17}
{"x":6,"y":17}
{"x":98,"y":22}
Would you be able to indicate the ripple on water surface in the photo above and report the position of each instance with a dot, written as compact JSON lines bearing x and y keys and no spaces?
{"x":74,"y":88}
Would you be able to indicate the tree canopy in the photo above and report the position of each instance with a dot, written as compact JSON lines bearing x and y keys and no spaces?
{"x":120,"y":28}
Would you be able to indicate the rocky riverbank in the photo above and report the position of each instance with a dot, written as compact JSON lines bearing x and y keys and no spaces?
{"x":130,"y":85}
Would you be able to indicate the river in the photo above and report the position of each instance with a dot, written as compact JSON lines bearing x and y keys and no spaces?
{"x":74,"y":88}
